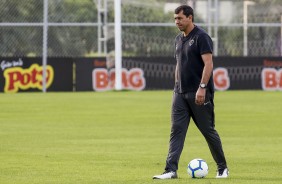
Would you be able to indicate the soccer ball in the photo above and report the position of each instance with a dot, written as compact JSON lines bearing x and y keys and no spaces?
{"x":198,"y":168}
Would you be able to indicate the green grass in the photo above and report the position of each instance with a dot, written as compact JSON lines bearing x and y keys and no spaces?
{"x":122,"y":138}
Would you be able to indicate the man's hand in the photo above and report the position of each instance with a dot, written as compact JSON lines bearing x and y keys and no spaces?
{"x":200,"y":96}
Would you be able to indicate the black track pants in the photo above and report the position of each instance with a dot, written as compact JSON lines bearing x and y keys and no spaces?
{"x":183,"y":108}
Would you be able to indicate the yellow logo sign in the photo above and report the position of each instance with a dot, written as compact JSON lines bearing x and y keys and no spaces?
{"x":24,"y":79}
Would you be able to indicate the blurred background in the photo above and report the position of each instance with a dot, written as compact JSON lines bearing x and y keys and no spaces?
{"x":85,"y":28}
{"x":76,"y":39}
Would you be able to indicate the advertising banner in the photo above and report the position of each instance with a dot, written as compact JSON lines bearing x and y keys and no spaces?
{"x":157,"y":73}
{"x":22,"y":74}
{"x":230,"y":73}
{"x":138,"y":73}
{"x":248,"y":73}
{"x":98,"y":74}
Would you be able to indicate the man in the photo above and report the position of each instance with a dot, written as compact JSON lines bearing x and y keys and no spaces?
{"x":193,"y":93}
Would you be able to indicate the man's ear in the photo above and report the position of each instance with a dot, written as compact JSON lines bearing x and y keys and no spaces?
{"x":191,"y":17}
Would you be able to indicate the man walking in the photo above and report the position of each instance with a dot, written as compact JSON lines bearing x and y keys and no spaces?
{"x":193,"y":93}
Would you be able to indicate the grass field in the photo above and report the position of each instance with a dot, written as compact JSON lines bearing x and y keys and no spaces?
{"x":122,"y":138}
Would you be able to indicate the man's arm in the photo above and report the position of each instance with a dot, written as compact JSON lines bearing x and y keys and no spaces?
{"x":207,"y":71}
{"x":208,"y":68}
{"x":176,"y":73}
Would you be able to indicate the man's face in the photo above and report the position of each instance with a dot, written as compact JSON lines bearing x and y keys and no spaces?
{"x":182,"y":21}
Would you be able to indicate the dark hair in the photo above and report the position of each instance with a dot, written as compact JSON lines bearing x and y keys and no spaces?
{"x":187,"y":10}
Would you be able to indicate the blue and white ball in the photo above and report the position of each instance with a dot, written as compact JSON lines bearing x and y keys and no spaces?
{"x":198,"y":168}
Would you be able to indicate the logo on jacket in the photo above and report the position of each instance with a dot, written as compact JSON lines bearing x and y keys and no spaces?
{"x":191,"y":42}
